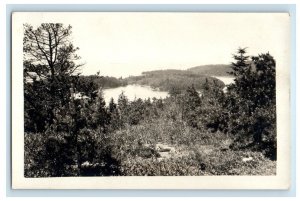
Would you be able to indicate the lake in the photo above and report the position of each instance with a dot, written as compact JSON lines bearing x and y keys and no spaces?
{"x":133,"y":92}
{"x":227,"y":80}
{"x":144,"y":92}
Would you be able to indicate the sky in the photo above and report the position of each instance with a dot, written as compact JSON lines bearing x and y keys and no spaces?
{"x":123,"y":44}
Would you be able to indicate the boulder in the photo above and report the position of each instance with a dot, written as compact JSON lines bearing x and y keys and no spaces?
{"x":247,"y":159}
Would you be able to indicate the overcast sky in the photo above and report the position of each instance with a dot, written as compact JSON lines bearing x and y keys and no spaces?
{"x":123,"y":44}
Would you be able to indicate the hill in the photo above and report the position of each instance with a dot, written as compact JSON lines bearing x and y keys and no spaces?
{"x":212,"y":70}
{"x":166,"y":80}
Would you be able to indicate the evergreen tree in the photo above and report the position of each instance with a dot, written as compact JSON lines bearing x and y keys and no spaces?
{"x":251,"y":101}
{"x":136,"y":111}
{"x":49,"y":57}
{"x":190,"y":106}
{"x":123,"y":105}
{"x":101,"y":117}
{"x":114,"y":115}
{"x":174,"y":92}
{"x":213,"y":115}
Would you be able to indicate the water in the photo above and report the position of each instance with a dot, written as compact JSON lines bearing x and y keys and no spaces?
{"x":133,"y":92}
{"x":144,"y":92}
{"x":227,"y":80}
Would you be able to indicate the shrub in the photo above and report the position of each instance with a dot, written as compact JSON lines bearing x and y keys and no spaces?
{"x":49,"y":154}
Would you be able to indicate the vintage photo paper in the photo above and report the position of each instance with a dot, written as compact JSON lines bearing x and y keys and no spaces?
{"x":150,"y":100}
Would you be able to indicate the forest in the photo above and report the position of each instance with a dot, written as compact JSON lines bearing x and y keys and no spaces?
{"x":166,"y":80}
{"x":185,"y":134}
{"x":212,"y":70}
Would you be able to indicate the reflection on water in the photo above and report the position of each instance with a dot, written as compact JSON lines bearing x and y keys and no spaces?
{"x":132,"y":92}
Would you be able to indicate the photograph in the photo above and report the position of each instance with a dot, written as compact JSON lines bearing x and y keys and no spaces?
{"x":150,"y":95}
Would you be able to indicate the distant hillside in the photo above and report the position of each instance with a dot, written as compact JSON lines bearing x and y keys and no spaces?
{"x":165,"y":80}
{"x":212,"y":70}
{"x":102,"y":81}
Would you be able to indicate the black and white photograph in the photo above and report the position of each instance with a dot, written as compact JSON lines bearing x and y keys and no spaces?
{"x":151,"y":95}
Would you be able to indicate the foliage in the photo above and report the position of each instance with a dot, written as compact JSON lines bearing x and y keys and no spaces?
{"x":49,"y":154}
{"x":209,"y":132}
{"x":212,"y":70}
{"x":100,"y":81}
{"x":213,"y":115}
{"x":251,"y":102}
{"x":49,"y":51}
{"x":167,"y":80}
{"x":49,"y":60}
{"x":190,"y":106}
{"x":101,"y":116}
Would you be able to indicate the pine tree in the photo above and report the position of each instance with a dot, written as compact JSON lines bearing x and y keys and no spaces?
{"x":101,"y":116}
{"x":251,"y":101}
{"x":51,"y":57}
{"x":123,"y":105}
{"x":114,"y":115}
{"x":190,"y":106}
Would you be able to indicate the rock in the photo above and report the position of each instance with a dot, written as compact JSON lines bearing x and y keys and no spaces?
{"x":247,"y":159}
{"x":164,"y":155}
{"x":148,"y":152}
{"x":164,"y":148}
{"x":86,"y":164}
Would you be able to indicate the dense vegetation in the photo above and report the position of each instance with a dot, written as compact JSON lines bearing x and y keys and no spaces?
{"x":212,"y":70}
{"x":166,"y":80}
{"x":217,"y":133}
{"x":101,"y":81}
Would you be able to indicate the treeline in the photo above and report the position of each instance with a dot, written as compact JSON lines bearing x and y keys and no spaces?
{"x":103,"y":81}
{"x":166,"y":80}
{"x":163,"y":80}
{"x":212,"y":70}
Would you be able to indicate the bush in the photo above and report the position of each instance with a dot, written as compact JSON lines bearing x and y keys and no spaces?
{"x":49,"y":154}
{"x":231,"y":163}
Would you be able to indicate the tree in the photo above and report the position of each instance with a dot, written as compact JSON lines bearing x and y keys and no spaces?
{"x":251,"y":101}
{"x":50,"y":56}
{"x":49,"y":51}
{"x":101,"y":116}
{"x":123,"y":105}
{"x":174,"y":92}
{"x":190,"y":106}
{"x":136,"y":111}
{"x":240,"y":66}
{"x":114,"y":115}
{"x":213,"y":115}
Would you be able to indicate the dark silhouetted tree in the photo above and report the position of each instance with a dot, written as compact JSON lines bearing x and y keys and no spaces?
{"x":50,"y":57}
{"x":251,"y":101}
